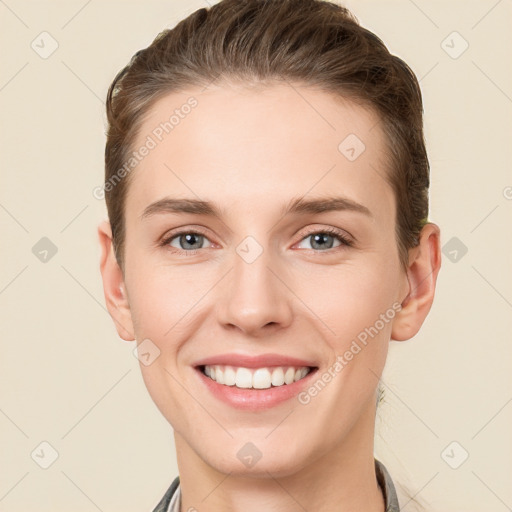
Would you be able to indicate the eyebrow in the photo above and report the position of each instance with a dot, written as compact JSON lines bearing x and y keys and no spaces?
{"x":296,"y":206}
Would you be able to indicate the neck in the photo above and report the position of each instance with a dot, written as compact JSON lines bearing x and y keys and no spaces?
{"x":341,"y":480}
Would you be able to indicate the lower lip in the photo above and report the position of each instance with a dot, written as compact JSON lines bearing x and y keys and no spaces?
{"x":255,"y":399}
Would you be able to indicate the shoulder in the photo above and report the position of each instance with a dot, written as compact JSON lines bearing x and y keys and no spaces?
{"x":163,"y":505}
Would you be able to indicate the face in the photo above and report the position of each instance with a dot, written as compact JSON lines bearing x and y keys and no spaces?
{"x":269,"y":275}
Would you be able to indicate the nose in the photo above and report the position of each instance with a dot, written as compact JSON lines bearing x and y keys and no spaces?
{"x":255,"y":298}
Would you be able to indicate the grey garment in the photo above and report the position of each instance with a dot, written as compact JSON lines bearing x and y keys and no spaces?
{"x":387,"y":486}
{"x":171,"y":502}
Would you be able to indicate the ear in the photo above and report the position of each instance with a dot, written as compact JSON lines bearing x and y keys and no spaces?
{"x":114,"y":289}
{"x":424,"y":265}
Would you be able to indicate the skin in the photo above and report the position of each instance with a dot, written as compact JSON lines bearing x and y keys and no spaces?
{"x":252,"y":152}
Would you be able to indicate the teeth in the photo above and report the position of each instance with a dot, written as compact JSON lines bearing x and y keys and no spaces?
{"x":259,"y":378}
{"x":243,"y":378}
{"x":289,"y":375}
{"x":278,"y":377}
{"x":229,"y":376}
{"x":219,"y":375}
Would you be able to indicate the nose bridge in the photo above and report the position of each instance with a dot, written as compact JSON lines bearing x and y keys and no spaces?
{"x":254,"y":297}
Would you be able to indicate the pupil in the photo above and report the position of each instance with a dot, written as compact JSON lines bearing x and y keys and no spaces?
{"x":318,"y":237}
{"x":190,"y":237}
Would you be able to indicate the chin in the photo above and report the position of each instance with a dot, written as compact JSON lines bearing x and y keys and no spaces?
{"x":251,"y":462}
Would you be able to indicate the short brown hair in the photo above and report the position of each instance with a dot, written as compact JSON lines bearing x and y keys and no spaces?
{"x":313,"y":42}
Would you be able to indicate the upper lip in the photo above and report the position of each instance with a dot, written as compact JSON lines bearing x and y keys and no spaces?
{"x":260,"y":361}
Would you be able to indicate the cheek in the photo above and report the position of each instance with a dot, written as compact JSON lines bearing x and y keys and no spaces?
{"x":162,"y":303}
{"x":162,"y":299}
{"x":344,"y":301}
{"x":349,"y":300}
{"x":356,"y":309}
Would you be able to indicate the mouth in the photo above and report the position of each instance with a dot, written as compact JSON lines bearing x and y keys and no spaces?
{"x":254,"y":382}
{"x":254,"y":389}
{"x":255,"y":378}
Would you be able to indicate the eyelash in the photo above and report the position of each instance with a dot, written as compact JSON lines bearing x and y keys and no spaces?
{"x":345,"y":242}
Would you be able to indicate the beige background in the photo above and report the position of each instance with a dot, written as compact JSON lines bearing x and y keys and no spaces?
{"x":68,"y":380}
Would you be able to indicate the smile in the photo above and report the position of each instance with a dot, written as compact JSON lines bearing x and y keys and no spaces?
{"x":255,"y":378}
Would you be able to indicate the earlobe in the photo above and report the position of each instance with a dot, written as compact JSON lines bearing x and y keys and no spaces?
{"x":114,"y":290}
{"x":424,"y":267}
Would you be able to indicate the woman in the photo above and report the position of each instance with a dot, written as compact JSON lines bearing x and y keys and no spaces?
{"x":267,"y":191}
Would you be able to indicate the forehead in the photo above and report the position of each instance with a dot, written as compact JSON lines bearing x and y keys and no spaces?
{"x":252,"y":146}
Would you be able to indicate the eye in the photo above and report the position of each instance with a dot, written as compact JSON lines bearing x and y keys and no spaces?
{"x":323,"y":240}
{"x":186,"y":241}
{"x":191,"y":241}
